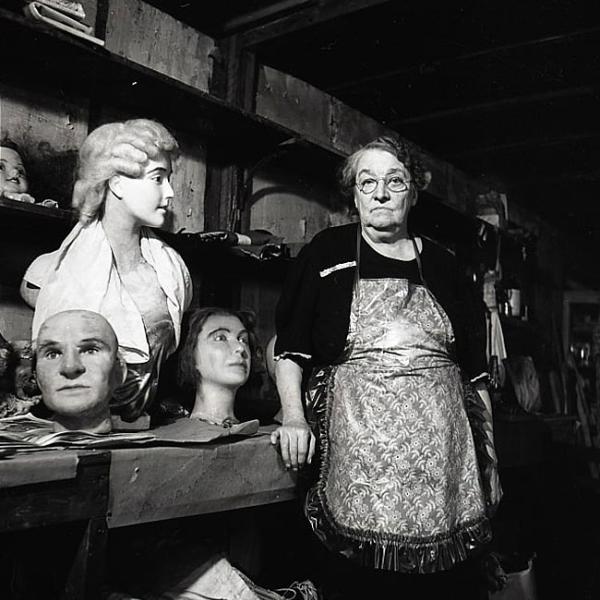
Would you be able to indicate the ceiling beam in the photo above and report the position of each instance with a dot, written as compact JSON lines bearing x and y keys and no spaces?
{"x":526,"y":143}
{"x":497,"y":104}
{"x":434,"y":65}
{"x":251,"y":18}
{"x":570,"y":177}
{"x":325,"y":10}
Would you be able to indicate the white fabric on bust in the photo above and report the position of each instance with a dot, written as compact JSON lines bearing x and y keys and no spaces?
{"x":82,"y":275}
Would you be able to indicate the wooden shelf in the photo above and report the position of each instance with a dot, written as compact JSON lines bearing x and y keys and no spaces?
{"x":40,"y":57}
{"x":53,"y":223}
{"x":8,"y":207}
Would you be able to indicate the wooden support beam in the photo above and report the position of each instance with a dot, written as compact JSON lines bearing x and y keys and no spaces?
{"x":291,"y":102}
{"x":537,"y":143}
{"x":88,"y":572}
{"x":436,"y":65}
{"x":504,"y":103}
{"x":272,"y":11}
{"x":570,"y":177}
{"x":234,"y":80}
{"x":304,"y":18}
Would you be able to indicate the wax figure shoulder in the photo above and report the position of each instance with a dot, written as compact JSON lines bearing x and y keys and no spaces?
{"x":313,"y":313}
{"x":97,"y":287}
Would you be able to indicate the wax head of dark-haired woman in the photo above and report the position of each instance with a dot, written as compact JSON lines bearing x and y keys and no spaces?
{"x":216,"y":359}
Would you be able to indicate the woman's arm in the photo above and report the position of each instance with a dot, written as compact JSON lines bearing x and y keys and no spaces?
{"x":296,"y":440}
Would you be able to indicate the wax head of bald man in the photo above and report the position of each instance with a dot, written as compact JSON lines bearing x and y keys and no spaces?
{"x":78,"y":366}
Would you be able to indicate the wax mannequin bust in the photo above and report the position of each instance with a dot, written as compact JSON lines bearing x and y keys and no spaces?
{"x":78,"y":366}
{"x":13,"y":177}
{"x":112,"y":263}
{"x":216,"y":359}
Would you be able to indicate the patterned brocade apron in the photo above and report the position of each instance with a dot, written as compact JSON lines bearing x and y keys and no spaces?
{"x":399,"y":485}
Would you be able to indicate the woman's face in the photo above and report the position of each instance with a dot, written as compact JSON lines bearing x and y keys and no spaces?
{"x":147,"y":198}
{"x":382,"y":209}
{"x":222,"y":353}
{"x":13,"y":177}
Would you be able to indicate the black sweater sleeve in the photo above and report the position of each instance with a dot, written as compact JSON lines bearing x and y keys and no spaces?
{"x":294,"y":317}
{"x":463,"y":305}
{"x":471,"y":328}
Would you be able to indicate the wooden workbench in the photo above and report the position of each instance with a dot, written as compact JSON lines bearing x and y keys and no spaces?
{"x":104,"y":489}
{"x":152,"y":484}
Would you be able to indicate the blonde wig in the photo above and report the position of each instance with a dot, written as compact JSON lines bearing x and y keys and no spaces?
{"x":121,"y":148}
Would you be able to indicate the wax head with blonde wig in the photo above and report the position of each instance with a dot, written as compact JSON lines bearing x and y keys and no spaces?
{"x":121,"y":148}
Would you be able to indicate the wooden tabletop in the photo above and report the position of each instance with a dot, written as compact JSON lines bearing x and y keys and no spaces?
{"x":142,"y":484}
{"x":156,"y":483}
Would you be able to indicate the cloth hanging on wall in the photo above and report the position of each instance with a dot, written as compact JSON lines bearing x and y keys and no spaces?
{"x":524,"y":378}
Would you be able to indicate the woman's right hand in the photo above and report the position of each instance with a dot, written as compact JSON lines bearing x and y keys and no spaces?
{"x":296,"y":442}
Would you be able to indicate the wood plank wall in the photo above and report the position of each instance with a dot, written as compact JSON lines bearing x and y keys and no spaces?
{"x":146,"y":35}
{"x":51,"y":127}
{"x":328,"y":121}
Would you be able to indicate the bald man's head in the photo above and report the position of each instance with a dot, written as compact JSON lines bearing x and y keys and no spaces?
{"x":78,"y":367}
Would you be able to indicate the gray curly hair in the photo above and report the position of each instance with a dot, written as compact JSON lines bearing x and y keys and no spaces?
{"x":397,"y":147}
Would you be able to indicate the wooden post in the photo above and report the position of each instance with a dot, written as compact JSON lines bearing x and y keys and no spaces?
{"x":87,"y":573}
{"x":43,"y":502}
{"x":234,"y":80}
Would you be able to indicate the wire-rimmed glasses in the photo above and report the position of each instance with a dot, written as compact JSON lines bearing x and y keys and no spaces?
{"x":394,"y":183}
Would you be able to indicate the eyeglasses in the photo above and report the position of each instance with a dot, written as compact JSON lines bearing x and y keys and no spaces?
{"x":394,"y":183}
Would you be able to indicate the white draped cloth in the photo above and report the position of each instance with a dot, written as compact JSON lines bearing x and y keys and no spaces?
{"x":82,"y":274}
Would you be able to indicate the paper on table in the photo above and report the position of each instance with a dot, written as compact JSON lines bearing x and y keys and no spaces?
{"x":28,"y":432}
{"x":196,"y":431}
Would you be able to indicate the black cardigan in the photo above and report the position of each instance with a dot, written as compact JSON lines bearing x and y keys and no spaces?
{"x":313,"y":313}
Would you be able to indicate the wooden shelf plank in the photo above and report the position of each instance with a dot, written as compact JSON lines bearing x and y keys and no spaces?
{"x":56,"y":60}
{"x":46,"y":212}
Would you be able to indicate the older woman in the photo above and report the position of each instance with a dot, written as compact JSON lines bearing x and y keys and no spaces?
{"x":215,"y":361}
{"x":112,"y":263}
{"x":384,"y":322}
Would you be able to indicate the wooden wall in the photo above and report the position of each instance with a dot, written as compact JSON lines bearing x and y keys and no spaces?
{"x":295,"y":207}
{"x":329,"y":122}
{"x":291,"y":202}
{"x":289,"y":206}
{"x":150,"y":37}
{"x":50,"y":125}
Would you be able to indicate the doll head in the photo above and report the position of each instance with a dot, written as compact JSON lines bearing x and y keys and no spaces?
{"x":13,"y":177}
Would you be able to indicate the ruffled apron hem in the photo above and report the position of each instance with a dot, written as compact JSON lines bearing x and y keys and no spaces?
{"x":404,"y":554}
